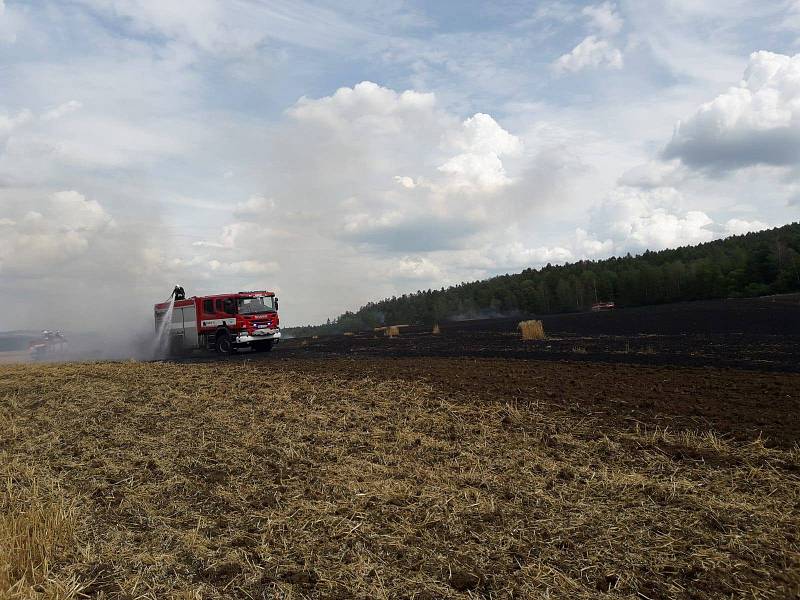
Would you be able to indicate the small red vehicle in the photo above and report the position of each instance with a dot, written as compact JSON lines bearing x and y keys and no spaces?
{"x":598,"y":306}
{"x":223,"y":322}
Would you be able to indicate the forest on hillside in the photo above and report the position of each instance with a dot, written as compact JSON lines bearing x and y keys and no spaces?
{"x":753,"y":264}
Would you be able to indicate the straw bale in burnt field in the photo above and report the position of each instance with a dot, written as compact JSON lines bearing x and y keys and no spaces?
{"x":531,"y":330}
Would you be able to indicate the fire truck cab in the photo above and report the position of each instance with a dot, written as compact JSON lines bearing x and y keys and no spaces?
{"x":223,"y":322}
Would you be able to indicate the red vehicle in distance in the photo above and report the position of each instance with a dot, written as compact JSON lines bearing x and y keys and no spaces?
{"x":598,"y":306}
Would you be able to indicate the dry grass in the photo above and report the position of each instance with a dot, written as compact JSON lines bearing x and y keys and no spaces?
{"x":259,"y":481}
{"x":37,"y":530}
{"x":531,"y":330}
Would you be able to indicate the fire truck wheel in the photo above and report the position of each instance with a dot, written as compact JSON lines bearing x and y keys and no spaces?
{"x":224,"y":344}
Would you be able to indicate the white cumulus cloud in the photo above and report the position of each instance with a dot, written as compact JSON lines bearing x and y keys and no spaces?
{"x":654,"y":174}
{"x":9,"y":123}
{"x":242,"y":267}
{"x":416,"y":268}
{"x":756,"y":122}
{"x":345,"y":152}
{"x":636,"y":220}
{"x":481,"y":142}
{"x":61,"y":110}
{"x":50,"y":233}
{"x":517,"y":255}
{"x":741,"y":226}
{"x":590,"y":53}
{"x":254,"y":206}
{"x":405,"y":181}
{"x":604,"y":17}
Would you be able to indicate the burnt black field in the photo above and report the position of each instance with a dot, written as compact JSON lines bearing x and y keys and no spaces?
{"x":761,"y":334}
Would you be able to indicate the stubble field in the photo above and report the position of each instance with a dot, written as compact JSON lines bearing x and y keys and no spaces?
{"x":397,"y":478}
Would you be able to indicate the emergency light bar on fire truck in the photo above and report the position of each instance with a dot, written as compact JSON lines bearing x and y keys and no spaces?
{"x":222,"y":322}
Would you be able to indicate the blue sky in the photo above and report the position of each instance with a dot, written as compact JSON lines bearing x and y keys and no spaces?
{"x":339,"y":152}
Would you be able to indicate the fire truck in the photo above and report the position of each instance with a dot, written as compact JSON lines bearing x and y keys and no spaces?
{"x":223,"y":322}
{"x":50,"y":345}
{"x":602,"y":306}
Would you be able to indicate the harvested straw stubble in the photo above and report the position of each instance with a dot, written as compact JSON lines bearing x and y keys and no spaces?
{"x":37,"y":527}
{"x":190,"y":480}
{"x":531,"y":330}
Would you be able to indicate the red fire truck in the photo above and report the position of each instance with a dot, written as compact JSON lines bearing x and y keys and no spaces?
{"x":601,"y":306}
{"x":223,"y":322}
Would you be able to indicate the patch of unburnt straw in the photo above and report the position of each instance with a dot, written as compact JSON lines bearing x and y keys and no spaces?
{"x":258,"y":481}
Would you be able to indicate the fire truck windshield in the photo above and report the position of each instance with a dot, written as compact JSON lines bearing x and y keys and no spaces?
{"x":259,"y":304}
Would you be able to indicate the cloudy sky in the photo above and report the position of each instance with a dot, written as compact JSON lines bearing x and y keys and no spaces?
{"x":339,"y":152}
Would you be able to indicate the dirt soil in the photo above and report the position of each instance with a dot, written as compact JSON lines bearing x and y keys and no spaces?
{"x":742,"y":404}
{"x":398,"y":478}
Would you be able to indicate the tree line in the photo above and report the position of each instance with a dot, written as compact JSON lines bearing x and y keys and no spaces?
{"x":753,"y":264}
